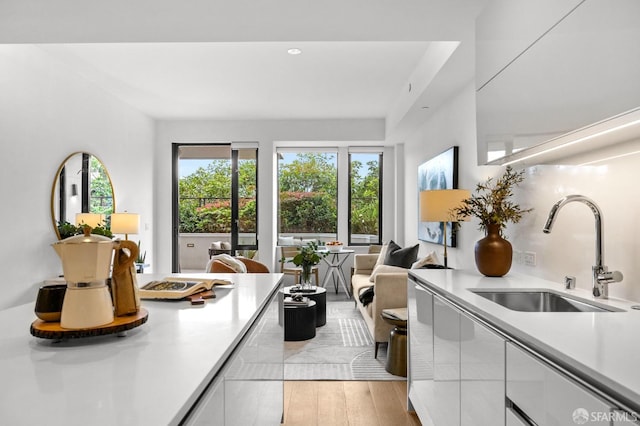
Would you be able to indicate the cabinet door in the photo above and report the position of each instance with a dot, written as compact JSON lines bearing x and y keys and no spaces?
{"x":420,"y":349}
{"x":482,"y":374}
{"x":547,"y":396}
{"x":254,"y":379}
{"x":445,"y":408}
{"x":250,"y":388}
{"x":210,"y":411}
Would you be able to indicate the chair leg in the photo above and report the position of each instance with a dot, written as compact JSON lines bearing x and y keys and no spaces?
{"x":375,"y":350}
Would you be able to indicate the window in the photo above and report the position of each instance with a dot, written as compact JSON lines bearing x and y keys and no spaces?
{"x":365,"y":198}
{"x":215,"y":200}
{"x":308,"y":195}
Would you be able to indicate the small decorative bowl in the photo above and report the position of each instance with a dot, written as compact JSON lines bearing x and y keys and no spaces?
{"x":334,"y":248}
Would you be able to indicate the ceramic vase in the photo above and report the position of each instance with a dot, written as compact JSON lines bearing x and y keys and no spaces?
{"x":493,"y":253}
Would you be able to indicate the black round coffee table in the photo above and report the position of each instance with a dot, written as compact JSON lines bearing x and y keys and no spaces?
{"x":300,"y":322}
{"x":318,"y":295}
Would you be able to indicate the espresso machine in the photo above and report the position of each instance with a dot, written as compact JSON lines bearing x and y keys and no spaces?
{"x":86,"y":264}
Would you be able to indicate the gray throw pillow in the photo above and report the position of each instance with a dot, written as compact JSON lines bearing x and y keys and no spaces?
{"x":402,"y":257}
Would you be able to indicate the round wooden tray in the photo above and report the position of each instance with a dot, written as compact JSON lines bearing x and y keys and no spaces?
{"x":52,"y":330}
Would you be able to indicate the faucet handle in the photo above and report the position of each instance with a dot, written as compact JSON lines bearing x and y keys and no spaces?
{"x":569,"y":282}
{"x":607,"y":277}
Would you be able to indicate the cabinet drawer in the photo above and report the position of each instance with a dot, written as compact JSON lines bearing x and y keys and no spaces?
{"x":547,"y":397}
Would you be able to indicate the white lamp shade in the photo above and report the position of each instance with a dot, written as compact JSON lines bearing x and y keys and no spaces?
{"x":125,"y":223}
{"x":436,"y":204}
{"x":91,"y":219}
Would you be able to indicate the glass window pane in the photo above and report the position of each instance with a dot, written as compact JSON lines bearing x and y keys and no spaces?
{"x":365,"y":174}
{"x":247,"y":201}
{"x":308,"y":196}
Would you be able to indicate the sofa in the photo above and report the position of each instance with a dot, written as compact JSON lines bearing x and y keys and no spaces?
{"x":390,"y":291}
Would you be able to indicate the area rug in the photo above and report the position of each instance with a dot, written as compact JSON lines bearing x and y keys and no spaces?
{"x":341,"y":350}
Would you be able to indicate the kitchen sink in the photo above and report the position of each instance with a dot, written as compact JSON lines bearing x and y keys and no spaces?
{"x":540,"y":301}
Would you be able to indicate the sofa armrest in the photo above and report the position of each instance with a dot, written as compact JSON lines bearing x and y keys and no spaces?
{"x":364,"y":263}
{"x":390,"y":292}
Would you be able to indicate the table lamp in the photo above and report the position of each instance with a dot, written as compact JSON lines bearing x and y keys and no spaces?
{"x":436,"y":206}
{"x":125,"y":223}
{"x":92,"y":219}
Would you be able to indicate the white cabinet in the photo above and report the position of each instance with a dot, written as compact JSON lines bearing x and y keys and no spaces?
{"x":249,"y":389}
{"x":544,"y":76}
{"x":445,"y":404}
{"x":456,"y":364}
{"x":420,"y":350}
{"x":482,"y":374}
{"x":548,"y":397}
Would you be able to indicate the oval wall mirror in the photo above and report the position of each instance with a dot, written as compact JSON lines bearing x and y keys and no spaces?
{"x":81,"y":185}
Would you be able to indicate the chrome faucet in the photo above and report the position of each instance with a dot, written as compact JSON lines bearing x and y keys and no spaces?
{"x":601,"y":276}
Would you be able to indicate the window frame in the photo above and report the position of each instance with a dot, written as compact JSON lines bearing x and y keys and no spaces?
{"x":380,"y":195}
{"x":302,"y":150}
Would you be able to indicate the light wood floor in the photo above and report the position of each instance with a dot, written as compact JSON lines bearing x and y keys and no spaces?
{"x":352,"y":403}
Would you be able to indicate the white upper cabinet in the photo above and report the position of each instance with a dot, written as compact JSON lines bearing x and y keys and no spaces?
{"x":506,"y":28}
{"x":544,"y":74}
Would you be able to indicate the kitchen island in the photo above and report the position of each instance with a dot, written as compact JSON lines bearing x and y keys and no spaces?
{"x":160,"y":373}
{"x":467,"y":351}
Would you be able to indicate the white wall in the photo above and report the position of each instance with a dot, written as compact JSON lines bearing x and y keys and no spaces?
{"x":570,"y":248}
{"x":269,"y":134}
{"x":46,"y":113}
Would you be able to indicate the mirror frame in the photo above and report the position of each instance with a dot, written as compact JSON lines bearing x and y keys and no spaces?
{"x":56,"y":184}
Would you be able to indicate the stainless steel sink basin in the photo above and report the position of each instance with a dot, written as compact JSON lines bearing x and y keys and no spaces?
{"x":539,"y":301}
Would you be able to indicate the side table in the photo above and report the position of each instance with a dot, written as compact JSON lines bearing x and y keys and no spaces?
{"x":318,"y":295}
{"x":397,"y":349}
{"x":300,"y":322}
{"x":334,"y":261}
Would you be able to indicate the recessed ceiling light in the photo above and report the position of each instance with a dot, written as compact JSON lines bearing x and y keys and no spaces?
{"x":294,"y":51}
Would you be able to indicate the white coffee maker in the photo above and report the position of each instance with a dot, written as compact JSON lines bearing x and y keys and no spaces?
{"x":86,"y":264}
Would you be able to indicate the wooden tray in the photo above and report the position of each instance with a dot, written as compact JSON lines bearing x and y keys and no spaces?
{"x":52,"y":330}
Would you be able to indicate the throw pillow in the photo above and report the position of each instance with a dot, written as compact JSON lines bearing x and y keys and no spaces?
{"x":225,"y":245}
{"x":286,"y":241}
{"x":382,"y":255}
{"x":381,"y":269}
{"x":430,"y":259}
{"x":398,"y":256}
{"x":231,"y":262}
{"x":215,"y":245}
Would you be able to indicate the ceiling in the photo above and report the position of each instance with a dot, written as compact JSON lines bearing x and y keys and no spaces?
{"x":207,"y":59}
{"x":249,"y":80}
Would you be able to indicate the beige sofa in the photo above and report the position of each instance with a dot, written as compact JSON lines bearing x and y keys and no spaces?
{"x":390,"y":292}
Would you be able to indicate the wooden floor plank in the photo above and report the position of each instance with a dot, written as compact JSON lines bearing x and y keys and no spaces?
{"x":303,"y":404}
{"x":349,"y":403}
{"x":361,"y":410}
{"x":332,"y":405}
{"x":387,"y":404}
{"x":401,"y":391}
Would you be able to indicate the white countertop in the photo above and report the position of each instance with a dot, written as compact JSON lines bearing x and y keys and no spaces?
{"x":150,"y":377}
{"x":602,"y":348}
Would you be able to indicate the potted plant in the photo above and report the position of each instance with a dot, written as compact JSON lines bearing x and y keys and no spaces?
{"x":307,"y":258}
{"x":493,"y":206}
{"x":142,"y":256}
{"x":67,"y":229}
